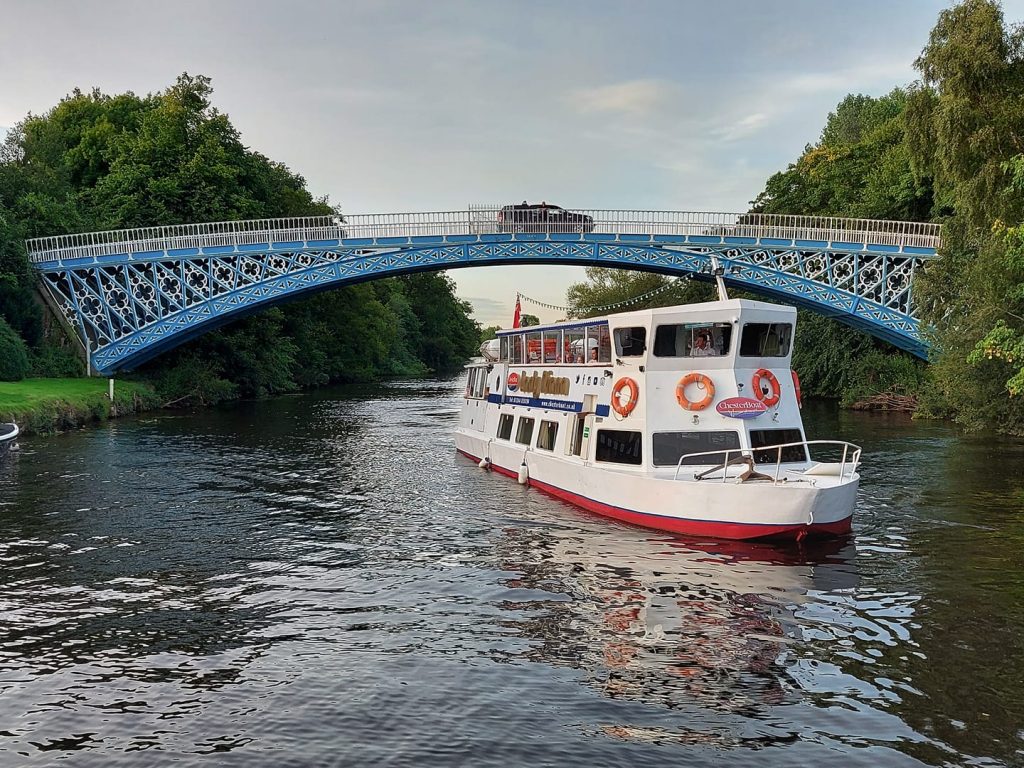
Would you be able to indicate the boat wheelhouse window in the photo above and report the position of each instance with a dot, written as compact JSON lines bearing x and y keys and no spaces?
{"x":552,"y":346}
{"x":766,"y":339}
{"x":574,"y":344}
{"x":692,"y":339}
{"x":760,"y":438}
{"x":503,"y":353}
{"x":619,"y":446}
{"x":670,"y":446}
{"x":517,"y":349}
{"x":547,"y":434}
{"x":630,"y":342}
{"x":524,"y":434}
{"x":505,"y":426}
{"x":533,"y":342}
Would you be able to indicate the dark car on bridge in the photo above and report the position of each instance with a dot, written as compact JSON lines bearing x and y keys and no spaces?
{"x":542,"y":217}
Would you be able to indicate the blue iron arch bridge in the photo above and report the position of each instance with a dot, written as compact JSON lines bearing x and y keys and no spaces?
{"x":133,"y":294}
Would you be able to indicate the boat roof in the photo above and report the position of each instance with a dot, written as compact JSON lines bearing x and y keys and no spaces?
{"x":735,"y":305}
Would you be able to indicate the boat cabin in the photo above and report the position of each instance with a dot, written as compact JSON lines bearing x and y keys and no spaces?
{"x":645,"y":391}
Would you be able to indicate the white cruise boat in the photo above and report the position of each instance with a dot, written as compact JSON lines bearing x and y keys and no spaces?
{"x":682,"y":419}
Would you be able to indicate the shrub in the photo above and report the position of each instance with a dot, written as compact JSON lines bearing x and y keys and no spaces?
{"x":13,"y":354}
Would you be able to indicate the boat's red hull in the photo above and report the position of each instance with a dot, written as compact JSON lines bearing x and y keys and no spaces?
{"x":682,"y":526}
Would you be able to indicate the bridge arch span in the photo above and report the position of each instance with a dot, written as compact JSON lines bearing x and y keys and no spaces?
{"x":133,"y":295}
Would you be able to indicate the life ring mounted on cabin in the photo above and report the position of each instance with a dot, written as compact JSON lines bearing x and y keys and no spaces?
{"x":625,"y":408}
{"x":703,"y":382}
{"x":774,"y":394}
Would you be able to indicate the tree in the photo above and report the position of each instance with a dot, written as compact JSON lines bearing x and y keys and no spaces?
{"x":527,"y":320}
{"x":97,"y":161}
{"x":490,"y":332}
{"x":13,"y":354}
{"x":965,"y":128}
{"x":618,"y":290}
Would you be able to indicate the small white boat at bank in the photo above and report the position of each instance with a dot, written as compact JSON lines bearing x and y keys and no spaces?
{"x":8,"y":437}
{"x":682,"y":419}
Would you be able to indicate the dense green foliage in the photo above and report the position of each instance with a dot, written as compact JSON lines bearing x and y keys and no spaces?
{"x":965,"y":126}
{"x":13,"y":354}
{"x":98,"y":162}
{"x":861,"y":168}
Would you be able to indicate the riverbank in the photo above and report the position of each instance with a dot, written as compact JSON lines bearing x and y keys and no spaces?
{"x":55,"y":405}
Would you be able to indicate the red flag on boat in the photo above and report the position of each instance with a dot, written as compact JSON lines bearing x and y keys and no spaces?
{"x":515,"y":317}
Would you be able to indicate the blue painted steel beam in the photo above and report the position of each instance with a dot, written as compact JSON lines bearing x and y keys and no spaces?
{"x":133,"y":307}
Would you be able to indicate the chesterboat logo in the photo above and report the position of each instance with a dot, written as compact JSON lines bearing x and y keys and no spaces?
{"x":545,"y":383}
{"x":741,"y":407}
{"x":513,"y":382}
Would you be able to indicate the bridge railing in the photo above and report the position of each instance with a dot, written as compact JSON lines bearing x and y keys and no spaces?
{"x":483,"y":220}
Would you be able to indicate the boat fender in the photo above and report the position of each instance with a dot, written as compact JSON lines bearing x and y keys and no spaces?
{"x":774,"y":394}
{"x":702,"y":382}
{"x":799,"y":392}
{"x":485,"y":463}
{"x":524,"y":473}
{"x":625,"y":408}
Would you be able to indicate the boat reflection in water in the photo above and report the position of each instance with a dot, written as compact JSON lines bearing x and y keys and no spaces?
{"x":705,"y":628}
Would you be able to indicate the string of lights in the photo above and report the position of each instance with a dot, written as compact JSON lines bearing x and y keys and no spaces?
{"x":604,"y":307}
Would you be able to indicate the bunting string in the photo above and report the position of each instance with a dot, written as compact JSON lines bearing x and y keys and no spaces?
{"x":604,"y":307}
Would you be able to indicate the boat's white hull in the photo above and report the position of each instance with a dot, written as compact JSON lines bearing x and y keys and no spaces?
{"x":731,"y":510}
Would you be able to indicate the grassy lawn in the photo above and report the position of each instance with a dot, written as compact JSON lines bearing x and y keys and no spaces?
{"x":45,"y":405}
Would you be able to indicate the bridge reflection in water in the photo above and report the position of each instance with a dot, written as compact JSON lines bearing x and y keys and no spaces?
{"x":132,"y":294}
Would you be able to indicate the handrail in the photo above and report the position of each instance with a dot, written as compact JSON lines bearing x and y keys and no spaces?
{"x":479,"y":220}
{"x":853,"y":460}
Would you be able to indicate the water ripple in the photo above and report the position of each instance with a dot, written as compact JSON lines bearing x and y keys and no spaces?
{"x":320,"y":580}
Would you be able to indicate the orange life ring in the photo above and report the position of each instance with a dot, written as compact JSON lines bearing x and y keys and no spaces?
{"x":776,"y":391}
{"x":701,"y":381}
{"x":799,"y":392}
{"x":624,"y":409}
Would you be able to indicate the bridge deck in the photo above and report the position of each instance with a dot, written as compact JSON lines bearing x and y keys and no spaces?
{"x":479,"y":223}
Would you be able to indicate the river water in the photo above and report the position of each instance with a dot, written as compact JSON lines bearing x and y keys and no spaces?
{"x":321,"y":580}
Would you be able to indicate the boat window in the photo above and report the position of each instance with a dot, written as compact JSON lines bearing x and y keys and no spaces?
{"x":619,"y":446}
{"x":670,"y":446}
{"x":503,"y":354}
{"x":692,"y":340}
{"x":533,"y":347}
{"x":505,"y":426}
{"x":547,"y":434}
{"x":630,"y":342}
{"x":517,"y":349}
{"x":524,"y":434}
{"x":575,"y":345}
{"x":759,"y":438}
{"x":599,"y":344}
{"x":470,"y":381}
{"x":479,"y":382}
{"x":552,"y":346}
{"x":766,"y":339}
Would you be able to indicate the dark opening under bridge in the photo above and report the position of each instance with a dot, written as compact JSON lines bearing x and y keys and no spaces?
{"x":132,"y":294}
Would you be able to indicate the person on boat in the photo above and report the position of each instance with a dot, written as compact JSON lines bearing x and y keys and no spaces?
{"x":593,"y":355}
{"x":702,"y":347}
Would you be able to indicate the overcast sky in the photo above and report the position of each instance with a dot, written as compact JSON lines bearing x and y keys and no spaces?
{"x":415,"y":106}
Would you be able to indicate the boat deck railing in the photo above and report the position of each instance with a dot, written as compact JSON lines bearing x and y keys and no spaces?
{"x":850,"y":458}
